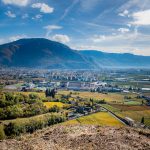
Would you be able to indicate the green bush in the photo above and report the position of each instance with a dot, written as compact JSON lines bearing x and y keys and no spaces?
{"x":55,"y":108}
{"x":18,"y":105}
{"x":13,"y":129}
{"x":32,"y":124}
{"x":2,"y":133}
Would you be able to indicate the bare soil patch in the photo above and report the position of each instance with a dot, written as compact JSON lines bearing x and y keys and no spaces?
{"x":80,"y":138}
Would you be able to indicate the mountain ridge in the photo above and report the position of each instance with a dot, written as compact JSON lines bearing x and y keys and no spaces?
{"x":47,"y":54}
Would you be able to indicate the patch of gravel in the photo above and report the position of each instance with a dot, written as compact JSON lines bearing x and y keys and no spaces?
{"x":81,"y":138}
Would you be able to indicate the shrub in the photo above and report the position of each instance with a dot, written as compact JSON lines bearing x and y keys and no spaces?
{"x":33,"y":96}
{"x":31,"y":125}
{"x":2,"y":133}
{"x":14,"y":129}
{"x":55,"y":108}
{"x":34,"y":125}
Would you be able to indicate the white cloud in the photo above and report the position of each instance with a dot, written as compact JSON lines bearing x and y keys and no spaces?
{"x":124,"y":13}
{"x":16,"y":2}
{"x":123,"y":30}
{"x":12,"y":38}
{"x":60,"y":38}
{"x":141,"y":17}
{"x":129,"y":25}
{"x":99,"y":38}
{"x":10,"y":14}
{"x":117,"y":38}
{"x":37,"y":17}
{"x":2,"y":41}
{"x":44,"y":8}
{"x":50,"y":28}
{"x":133,"y":42}
{"x":16,"y":37}
{"x":25,"y":16}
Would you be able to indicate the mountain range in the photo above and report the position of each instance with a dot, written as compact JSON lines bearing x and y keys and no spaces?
{"x":47,"y":54}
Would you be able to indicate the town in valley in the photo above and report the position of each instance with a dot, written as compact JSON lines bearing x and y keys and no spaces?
{"x":76,"y":96}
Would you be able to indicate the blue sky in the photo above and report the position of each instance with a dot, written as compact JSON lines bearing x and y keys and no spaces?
{"x":121,"y":26}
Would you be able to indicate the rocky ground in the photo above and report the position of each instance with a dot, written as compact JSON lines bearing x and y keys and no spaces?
{"x":81,"y":138}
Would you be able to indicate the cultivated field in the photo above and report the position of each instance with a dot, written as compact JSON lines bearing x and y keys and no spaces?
{"x":110,"y":97}
{"x":101,"y":118}
{"x":134,"y":112}
{"x":51,"y":104}
{"x":117,"y":103}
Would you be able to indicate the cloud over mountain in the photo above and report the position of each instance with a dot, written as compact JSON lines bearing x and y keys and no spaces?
{"x":141,"y":17}
{"x":61,"y":38}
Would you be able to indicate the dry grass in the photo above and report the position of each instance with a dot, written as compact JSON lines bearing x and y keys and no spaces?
{"x":137,"y":115}
{"x":130,"y":107}
{"x":51,"y":104}
{"x":81,"y":137}
{"x":40,"y":94}
{"x":134,"y":112}
{"x":110,"y":97}
{"x":101,"y":118}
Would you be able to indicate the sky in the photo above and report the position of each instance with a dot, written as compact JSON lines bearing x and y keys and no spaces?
{"x":114,"y":26}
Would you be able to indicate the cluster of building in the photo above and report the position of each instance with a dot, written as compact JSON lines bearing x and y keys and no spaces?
{"x":66,"y":85}
{"x":79,"y":80}
{"x":78,"y":111}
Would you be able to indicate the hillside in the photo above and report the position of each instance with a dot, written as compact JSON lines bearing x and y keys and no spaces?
{"x":81,"y":137}
{"x":43,"y":53}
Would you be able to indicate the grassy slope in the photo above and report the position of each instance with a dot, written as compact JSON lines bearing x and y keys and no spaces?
{"x":51,"y":104}
{"x":110,"y":97}
{"x":101,"y":118}
{"x":134,"y":112}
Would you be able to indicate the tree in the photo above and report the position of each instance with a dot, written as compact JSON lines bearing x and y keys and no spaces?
{"x":53,"y":92}
{"x":142,"y":120}
{"x":50,"y":93}
{"x":92,"y":101}
{"x":54,"y":109}
{"x":130,"y":88}
{"x":33,"y":96}
{"x":98,"y":89}
{"x":9,"y":129}
{"x":46,"y":93}
{"x":14,"y":111}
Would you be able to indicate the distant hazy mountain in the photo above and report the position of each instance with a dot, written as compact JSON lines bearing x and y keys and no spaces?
{"x":43,"y":53}
{"x":101,"y":59}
